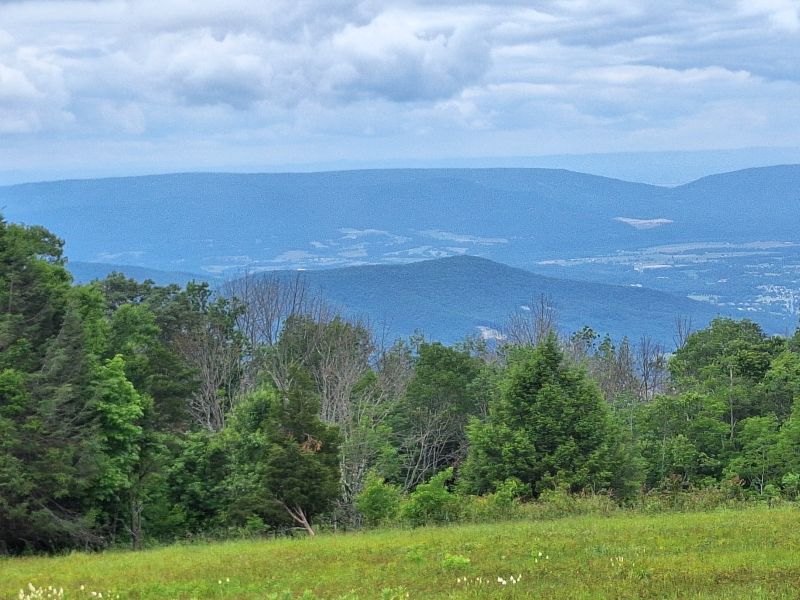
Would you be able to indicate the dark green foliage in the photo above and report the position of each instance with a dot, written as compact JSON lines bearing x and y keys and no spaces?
{"x":33,"y":290}
{"x":431,"y":502}
{"x":102,"y":440}
{"x":284,"y":459}
{"x":549,"y":425}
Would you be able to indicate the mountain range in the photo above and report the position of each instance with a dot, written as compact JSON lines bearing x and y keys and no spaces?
{"x":730,"y":241}
{"x":448,"y":299}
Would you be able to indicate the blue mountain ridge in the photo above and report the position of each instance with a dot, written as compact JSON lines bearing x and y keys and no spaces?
{"x":732,"y":240}
{"x":451,"y":298}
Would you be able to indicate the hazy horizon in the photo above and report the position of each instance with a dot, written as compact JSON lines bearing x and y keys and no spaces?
{"x":117,"y":87}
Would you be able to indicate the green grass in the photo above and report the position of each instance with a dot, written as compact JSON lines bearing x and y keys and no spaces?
{"x":752,"y":553}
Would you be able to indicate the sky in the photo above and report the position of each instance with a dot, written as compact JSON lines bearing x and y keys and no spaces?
{"x":123,"y":87}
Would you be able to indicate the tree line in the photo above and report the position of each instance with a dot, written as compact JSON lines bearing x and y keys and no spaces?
{"x":133,"y":413}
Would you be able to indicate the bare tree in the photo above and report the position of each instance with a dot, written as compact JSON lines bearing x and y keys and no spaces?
{"x":299,"y":516}
{"x":267,"y":300}
{"x":651,"y":361}
{"x":214,"y":355}
{"x":614,"y":369}
{"x":683,"y":329}
{"x":360,"y":398}
{"x":531,"y":326}
{"x":430,"y":448}
{"x":581,"y":345}
{"x":365,"y":440}
{"x":268,"y":305}
{"x":341,"y":358}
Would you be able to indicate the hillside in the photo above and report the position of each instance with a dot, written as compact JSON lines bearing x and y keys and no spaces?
{"x":218,"y":222}
{"x":452,"y":297}
{"x":84,"y":272}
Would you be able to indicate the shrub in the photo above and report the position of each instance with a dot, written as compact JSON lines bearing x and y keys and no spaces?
{"x":791,"y":486}
{"x":508,"y":494}
{"x":431,"y":502}
{"x":455,"y":562}
{"x":379,"y":501}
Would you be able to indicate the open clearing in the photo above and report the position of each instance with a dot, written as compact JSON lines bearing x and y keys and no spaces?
{"x":753,"y":553}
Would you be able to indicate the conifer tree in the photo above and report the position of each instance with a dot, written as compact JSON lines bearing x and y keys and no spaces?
{"x":549,"y":426}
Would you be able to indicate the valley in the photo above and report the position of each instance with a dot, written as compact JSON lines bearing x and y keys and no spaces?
{"x":727,"y":244}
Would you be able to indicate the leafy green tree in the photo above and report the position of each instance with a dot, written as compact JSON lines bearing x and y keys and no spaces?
{"x":282,"y":455}
{"x":758,"y":461}
{"x":683,"y":435}
{"x":433,"y":415}
{"x":117,"y":408}
{"x":196,"y":482}
{"x":727,"y":360}
{"x":780,"y":385}
{"x":549,"y":425}
{"x":789,"y":441}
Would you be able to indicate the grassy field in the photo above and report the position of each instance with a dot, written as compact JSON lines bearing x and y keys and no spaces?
{"x":745,"y":554}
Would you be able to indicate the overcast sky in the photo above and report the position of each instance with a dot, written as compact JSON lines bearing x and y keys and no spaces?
{"x":145,"y":85}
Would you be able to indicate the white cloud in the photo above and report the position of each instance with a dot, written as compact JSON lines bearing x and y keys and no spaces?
{"x":350,"y":233}
{"x":488,"y":333}
{"x":119,"y":257}
{"x":204,"y":84}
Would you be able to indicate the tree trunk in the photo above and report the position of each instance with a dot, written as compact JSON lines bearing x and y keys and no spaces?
{"x":299,"y":516}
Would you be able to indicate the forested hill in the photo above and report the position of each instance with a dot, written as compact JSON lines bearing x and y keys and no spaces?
{"x":451,"y":297}
{"x":217,"y":222}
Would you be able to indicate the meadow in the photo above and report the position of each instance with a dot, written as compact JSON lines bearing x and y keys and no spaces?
{"x":747,"y":553}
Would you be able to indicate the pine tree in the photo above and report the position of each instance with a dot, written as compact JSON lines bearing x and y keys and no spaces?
{"x":549,"y":427}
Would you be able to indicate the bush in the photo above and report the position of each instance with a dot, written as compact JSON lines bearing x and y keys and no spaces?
{"x":509,"y":493}
{"x":791,"y":486}
{"x":455,"y":562}
{"x":379,"y":501}
{"x":432,"y":502}
{"x":559,"y":502}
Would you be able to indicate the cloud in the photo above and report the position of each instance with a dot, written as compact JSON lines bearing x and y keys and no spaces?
{"x":422,"y":252}
{"x":119,"y":257}
{"x":489,"y":333}
{"x":294,"y":256}
{"x":203,"y":84}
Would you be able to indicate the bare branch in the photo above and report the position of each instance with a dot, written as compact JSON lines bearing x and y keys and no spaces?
{"x":531,"y":326}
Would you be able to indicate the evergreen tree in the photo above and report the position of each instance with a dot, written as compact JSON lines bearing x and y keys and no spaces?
{"x":283,"y":456}
{"x":550,"y":426}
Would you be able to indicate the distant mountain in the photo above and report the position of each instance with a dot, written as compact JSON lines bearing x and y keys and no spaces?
{"x":731,"y":240}
{"x":85,"y":272}
{"x":450,"y":298}
{"x":224,"y":222}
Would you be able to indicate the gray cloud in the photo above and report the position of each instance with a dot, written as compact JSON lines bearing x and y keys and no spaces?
{"x":285,"y":81}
